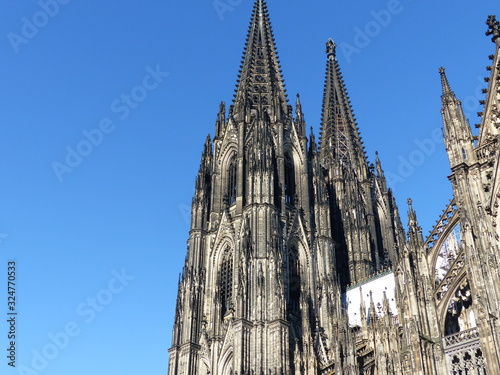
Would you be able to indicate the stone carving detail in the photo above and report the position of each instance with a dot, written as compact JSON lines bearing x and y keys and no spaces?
{"x":494,"y":28}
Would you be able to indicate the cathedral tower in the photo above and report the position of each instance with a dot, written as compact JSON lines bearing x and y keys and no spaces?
{"x":260,"y":291}
{"x":247,"y":297}
{"x":361,"y":204}
{"x":297,"y":261}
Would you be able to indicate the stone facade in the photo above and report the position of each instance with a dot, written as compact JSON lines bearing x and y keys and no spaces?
{"x":289,"y":238}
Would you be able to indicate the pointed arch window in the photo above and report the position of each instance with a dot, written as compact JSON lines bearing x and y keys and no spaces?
{"x":277,"y":186}
{"x":289,"y":180}
{"x":226,"y":281}
{"x":449,"y":251}
{"x":294,"y":280}
{"x":232,"y":181}
{"x":459,"y":317}
{"x":208,"y":192}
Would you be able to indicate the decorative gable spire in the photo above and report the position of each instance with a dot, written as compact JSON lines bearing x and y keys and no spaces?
{"x":457,"y":133}
{"x":260,"y":83}
{"x":340,"y":139}
{"x":414,"y":229}
{"x":380,"y":173}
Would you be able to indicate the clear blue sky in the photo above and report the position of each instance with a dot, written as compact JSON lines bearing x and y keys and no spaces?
{"x":149,"y":76}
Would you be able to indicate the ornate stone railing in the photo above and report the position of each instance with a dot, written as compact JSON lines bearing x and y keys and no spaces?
{"x":463,"y":353}
{"x":461,"y":338}
{"x":486,"y":152}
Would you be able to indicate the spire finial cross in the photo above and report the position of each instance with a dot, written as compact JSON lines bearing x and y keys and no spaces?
{"x":330,"y":48}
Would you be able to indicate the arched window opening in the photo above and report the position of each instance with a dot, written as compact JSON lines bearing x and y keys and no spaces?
{"x":464,"y":154}
{"x":232,"y":181}
{"x":294,"y":281}
{"x":448,"y":252}
{"x":459,"y":317}
{"x":226,"y":281}
{"x":289,"y":181}
{"x":468,"y":362}
{"x":277,"y":192}
{"x":228,"y":367}
{"x":208,"y":192}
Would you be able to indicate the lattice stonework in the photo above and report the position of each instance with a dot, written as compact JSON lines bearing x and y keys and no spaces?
{"x":463,"y":353}
{"x":461,"y":343}
{"x":449,"y":251}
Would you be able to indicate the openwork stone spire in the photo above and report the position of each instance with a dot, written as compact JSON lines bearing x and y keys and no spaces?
{"x":340,"y":139}
{"x":260,"y":82}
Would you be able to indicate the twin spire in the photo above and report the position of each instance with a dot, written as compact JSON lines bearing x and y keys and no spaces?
{"x":260,"y":82}
{"x":340,"y":139}
{"x":260,"y":85}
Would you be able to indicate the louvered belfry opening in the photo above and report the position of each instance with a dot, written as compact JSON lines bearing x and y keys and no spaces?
{"x":226,"y":281}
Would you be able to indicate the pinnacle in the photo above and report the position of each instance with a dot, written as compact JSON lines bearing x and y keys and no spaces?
{"x":208,"y":143}
{"x":410,"y":204}
{"x":444,"y":82}
{"x":411,"y":212}
{"x":412,"y":215}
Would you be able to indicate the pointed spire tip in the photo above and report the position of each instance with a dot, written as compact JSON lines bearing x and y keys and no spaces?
{"x":444,"y":82}
{"x":331,"y":48}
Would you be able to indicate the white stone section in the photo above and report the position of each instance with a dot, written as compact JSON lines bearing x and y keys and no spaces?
{"x":377,"y":285}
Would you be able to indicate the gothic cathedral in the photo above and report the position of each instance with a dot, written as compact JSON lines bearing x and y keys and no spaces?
{"x":297,"y":260}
